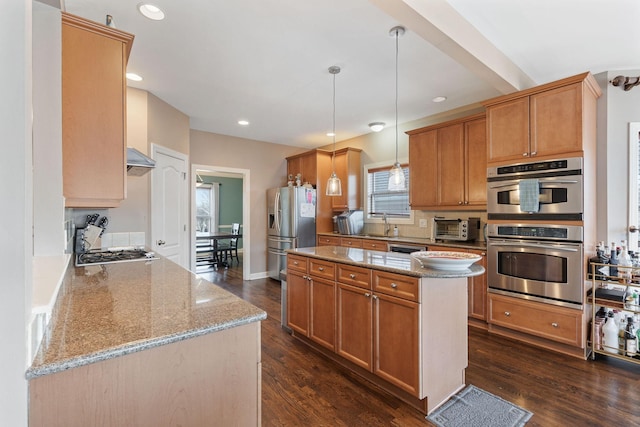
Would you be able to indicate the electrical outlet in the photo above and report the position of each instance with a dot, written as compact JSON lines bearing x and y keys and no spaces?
{"x":423,"y":223}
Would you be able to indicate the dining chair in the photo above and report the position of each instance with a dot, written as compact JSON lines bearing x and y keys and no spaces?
{"x":230,"y":250}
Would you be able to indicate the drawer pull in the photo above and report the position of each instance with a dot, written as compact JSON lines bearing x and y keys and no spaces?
{"x":554,"y":324}
{"x":353,"y":276}
{"x":320,"y":268}
{"x":295,"y":262}
{"x":394,"y":285}
{"x":367,"y":294}
{"x":305,"y":277}
{"x":507,"y":313}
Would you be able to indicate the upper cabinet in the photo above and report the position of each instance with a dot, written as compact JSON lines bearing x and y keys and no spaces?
{"x":94,"y":60}
{"x":542,"y":122}
{"x":447,"y":165}
{"x":315,"y":166}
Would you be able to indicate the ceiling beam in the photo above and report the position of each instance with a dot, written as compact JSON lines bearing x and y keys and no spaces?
{"x":442,"y":26}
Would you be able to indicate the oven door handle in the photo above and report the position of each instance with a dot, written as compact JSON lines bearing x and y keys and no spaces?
{"x":526,"y":245}
{"x":541,"y":180}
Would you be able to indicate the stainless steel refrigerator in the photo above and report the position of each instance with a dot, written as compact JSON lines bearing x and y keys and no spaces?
{"x":291,"y":222}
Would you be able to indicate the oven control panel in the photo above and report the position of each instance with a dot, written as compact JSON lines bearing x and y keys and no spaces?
{"x":528,"y":231}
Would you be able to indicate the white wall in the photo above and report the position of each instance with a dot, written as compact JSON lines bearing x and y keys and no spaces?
{"x":616,"y":108}
{"x":16,"y":214}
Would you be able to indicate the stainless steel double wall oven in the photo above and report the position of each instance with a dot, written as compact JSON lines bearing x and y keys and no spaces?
{"x":534,"y":245}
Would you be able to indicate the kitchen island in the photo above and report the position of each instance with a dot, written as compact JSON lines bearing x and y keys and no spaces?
{"x":385,"y":317}
{"x":146,"y":343}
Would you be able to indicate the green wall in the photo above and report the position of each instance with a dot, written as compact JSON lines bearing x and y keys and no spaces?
{"x":230,"y":199}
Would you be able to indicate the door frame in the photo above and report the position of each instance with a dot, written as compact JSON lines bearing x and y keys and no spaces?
{"x":632,"y":196}
{"x":155,"y":149}
{"x":246,"y":219}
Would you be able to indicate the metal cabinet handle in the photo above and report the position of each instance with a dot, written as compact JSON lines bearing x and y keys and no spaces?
{"x":305,"y":277}
{"x":374,"y":296}
{"x":460,"y":202}
{"x":367,"y":294}
{"x":507,"y":313}
{"x":160,"y":242}
{"x":554,"y":324}
{"x":320,"y":268}
{"x":353,"y":276}
{"x":633,"y":229}
{"x":295,"y":262}
{"x":533,"y":153}
{"x":394,"y":285}
{"x":309,"y":278}
{"x":525,"y":154}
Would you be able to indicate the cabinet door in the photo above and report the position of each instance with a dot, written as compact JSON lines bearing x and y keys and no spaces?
{"x":396,"y":341}
{"x":451,"y":166}
{"x":323,"y":309}
{"x":93,"y":114}
{"x":298,"y":302}
{"x":477,"y":290}
{"x":347,"y":167}
{"x":508,"y":130}
{"x":476,"y":162}
{"x":309,"y":168}
{"x":340,"y":165}
{"x":423,"y":170}
{"x":328,"y":240}
{"x":556,"y":121}
{"x":354,"y":333}
{"x":294,"y":167}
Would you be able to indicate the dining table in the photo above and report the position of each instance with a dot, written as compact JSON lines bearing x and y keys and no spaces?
{"x":213,"y":238}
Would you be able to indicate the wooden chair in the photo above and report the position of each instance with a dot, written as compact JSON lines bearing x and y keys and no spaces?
{"x":230,"y":250}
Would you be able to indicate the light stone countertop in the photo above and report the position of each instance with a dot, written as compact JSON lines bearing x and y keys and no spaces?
{"x":387,"y":261}
{"x":106,"y":311}
{"x":477,"y":245}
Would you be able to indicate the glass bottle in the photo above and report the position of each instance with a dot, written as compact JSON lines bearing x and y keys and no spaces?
{"x":630,"y":337}
{"x":624,"y":260}
{"x":613,"y":261}
{"x":622,"y":331}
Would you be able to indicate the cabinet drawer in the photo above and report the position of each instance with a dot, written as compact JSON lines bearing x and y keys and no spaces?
{"x":374,"y":245}
{"x":396,"y":285}
{"x":554,"y":323}
{"x":351,"y":243}
{"x":356,"y":276}
{"x":297,"y":263}
{"x":328,"y":241}
{"x":319,"y":268}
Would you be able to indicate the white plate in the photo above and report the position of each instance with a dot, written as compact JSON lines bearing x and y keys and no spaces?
{"x":446,"y":260}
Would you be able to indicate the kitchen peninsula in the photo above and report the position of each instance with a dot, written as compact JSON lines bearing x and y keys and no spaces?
{"x":146,"y":343}
{"x":385,"y":317}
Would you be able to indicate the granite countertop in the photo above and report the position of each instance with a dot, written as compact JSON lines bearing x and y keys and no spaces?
{"x":393,"y":262}
{"x":106,"y":311}
{"x":478,"y":245}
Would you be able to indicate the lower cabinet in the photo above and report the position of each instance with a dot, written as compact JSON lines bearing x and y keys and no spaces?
{"x":311,"y":299}
{"x":477,"y":286}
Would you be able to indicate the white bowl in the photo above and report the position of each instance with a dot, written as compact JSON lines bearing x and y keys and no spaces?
{"x":446,"y":260}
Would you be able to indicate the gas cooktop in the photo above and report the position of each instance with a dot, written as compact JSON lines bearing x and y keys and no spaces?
{"x":113,"y":255}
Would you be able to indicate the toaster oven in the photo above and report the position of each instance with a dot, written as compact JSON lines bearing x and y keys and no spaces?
{"x":456,"y":229}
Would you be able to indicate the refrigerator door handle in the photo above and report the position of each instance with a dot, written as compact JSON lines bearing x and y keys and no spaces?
{"x":277,"y":211}
{"x":285,"y":240}
{"x":274,"y":252}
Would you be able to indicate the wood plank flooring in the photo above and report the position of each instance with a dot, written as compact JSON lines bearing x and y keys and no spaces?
{"x":302,"y":388}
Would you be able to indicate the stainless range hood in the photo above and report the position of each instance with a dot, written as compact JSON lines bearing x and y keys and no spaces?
{"x":137,"y":163}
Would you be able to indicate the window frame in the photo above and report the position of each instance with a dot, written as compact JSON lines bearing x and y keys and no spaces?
{"x":378,"y":219}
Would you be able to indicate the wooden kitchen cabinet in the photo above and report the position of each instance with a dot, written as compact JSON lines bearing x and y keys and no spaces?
{"x":375,"y":245}
{"x":449,"y":164}
{"x":544,"y":122}
{"x":354,"y":332}
{"x":347,"y":167}
{"x":94,"y":60}
{"x":323,"y":240}
{"x":311,"y":299}
{"x":315,"y":167}
{"x":476,"y":286}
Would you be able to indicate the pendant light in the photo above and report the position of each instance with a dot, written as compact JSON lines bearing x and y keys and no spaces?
{"x":334,"y":187}
{"x":396,"y":174}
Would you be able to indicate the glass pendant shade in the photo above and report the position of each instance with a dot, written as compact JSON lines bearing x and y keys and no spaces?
{"x":334,"y":186}
{"x":396,"y":178}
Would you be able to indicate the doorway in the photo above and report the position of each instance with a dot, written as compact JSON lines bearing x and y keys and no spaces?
{"x":222,"y":171}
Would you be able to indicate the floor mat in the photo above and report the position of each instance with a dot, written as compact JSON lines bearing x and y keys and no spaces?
{"x":474,"y":407}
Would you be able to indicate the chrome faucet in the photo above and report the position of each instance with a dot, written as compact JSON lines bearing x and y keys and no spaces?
{"x":387,"y":227}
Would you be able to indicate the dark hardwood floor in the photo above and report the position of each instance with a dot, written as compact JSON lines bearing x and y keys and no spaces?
{"x":302,"y":388}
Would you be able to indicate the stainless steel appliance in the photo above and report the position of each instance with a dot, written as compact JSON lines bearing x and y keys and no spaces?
{"x":456,"y":229}
{"x":547,"y":190}
{"x":350,"y":222}
{"x":113,"y":255}
{"x":406,"y":248}
{"x":537,"y":262}
{"x":291,"y":223}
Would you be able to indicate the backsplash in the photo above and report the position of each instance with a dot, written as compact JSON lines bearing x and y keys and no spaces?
{"x":109,"y":240}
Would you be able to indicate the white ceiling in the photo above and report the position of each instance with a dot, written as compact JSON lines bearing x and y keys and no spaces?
{"x":267,"y":61}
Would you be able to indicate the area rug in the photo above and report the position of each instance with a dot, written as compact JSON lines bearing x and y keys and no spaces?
{"x":474,"y":407}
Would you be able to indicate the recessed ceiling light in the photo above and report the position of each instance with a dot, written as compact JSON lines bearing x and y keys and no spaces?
{"x":151,"y":11}
{"x":134,"y":77}
{"x":439,"y":99}
{"x":243,"y":122}
{"x":331,"y":134}
{"x":376,"y":126}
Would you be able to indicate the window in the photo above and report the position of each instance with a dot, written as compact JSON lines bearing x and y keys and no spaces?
{"x":207,"y":208}
{"x":382,"y":201}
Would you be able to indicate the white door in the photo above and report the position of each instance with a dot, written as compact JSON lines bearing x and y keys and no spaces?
{"x":169,"y":206}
